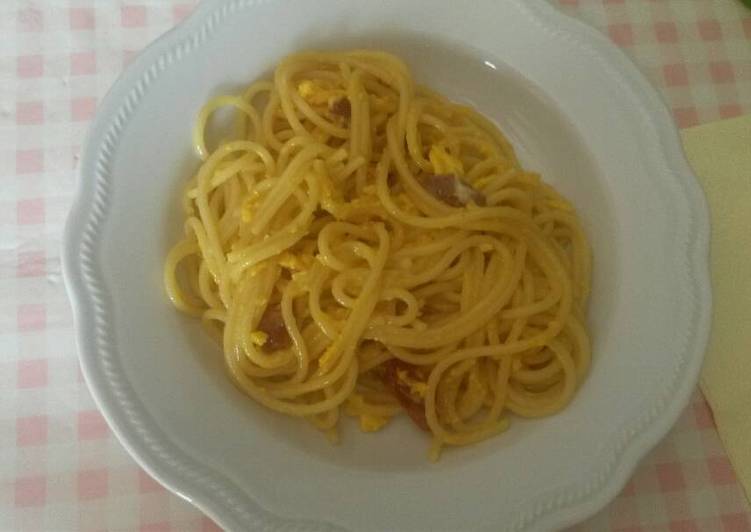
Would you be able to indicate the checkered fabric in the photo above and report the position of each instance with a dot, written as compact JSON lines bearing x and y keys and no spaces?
{"x":60,"y":466}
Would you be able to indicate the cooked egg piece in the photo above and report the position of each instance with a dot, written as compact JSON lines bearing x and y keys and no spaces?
{"x":416,"y":387}
{"x":370,"y":423}
{"x":318,"y":92}
{"x":443,"y":162}
{"x":259,"y":338}
{"x":290,"y":261}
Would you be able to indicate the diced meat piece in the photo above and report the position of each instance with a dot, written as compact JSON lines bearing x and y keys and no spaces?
{"x":466,"y":193}
{"x":452,"y":190}
{"x":392,"y":180}
{"x":341,"y":107}
{"x":272,"y":324}
{"x":411,"y":402}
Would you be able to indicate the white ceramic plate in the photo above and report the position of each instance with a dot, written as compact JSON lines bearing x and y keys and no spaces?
{"x":576,"y":110}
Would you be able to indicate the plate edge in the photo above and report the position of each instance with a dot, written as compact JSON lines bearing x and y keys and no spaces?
{"x":80,"y":269}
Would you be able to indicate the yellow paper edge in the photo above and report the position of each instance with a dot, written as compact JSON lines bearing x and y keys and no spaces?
{"x":720,"y":154}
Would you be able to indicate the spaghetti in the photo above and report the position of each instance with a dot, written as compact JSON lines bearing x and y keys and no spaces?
{"x":364,"y":246}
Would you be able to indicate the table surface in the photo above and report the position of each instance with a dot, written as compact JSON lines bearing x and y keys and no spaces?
{"x":60,"y":467}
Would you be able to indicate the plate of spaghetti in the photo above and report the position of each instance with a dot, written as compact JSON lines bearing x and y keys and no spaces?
{"x":327,"y":276}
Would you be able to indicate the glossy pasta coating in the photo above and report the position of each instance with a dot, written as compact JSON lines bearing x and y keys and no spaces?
{"x":364,"y":246}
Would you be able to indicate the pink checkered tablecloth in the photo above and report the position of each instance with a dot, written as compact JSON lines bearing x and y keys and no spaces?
{"x":60,"y":466}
